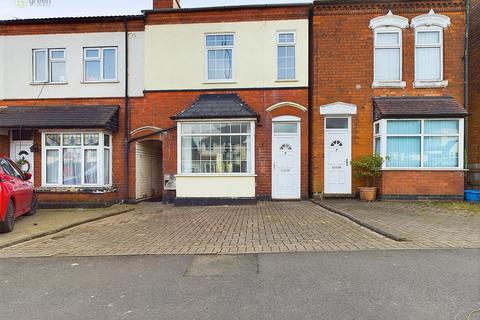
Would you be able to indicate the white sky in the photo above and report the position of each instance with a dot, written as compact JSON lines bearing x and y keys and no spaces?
{"x":18,"y":9}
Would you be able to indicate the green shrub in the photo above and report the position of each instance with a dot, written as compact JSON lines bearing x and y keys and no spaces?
{"x":368,"y":167}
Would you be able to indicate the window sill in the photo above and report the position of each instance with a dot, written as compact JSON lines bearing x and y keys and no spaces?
{"x":214,"y":175}
{"x":48,"y":83}
{"x":219,"y":82}
{"x":287,"y":80}
{"x":81,"y":189}
{"x":430,"y":84}
{"x":391,"y":84}
{"x":97,"y":82}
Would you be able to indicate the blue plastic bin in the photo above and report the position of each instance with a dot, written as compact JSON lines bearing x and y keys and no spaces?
{"x":472,"y":196}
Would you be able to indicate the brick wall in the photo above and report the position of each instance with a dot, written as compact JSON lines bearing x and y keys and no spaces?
{"x":343,"y":67}
{"x":157,"y":108}
{"x":474,"y":86}
{"x":165,"y":4}
{"x":231,"y":14}
{"x":418,"y":183}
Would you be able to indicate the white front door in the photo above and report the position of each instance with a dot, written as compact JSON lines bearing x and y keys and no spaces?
{"x":286,"y":160}
{"x":338,"y":171}
{"x":20,"y":150}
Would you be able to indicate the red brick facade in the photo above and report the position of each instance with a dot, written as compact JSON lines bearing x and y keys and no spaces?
{"x":343,"y":71}
{"x":157,"y":108}
{"x":474,"y":94}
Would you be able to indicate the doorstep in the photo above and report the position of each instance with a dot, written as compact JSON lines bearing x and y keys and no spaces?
{"x":47,"y":222}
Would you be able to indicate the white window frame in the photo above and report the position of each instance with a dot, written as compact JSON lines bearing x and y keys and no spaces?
{"x":287,"y":44}
{"x":388,"y":83}
{"x":48,"y":65}
{"x":429,"y":83}
{"x":214,"y":48}
{"x":100,"y":158}
{"x":383,"y":142}
{"x":252,"y":147}
{"x":101,"y":60}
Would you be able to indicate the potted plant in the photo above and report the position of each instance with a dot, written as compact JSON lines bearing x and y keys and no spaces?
{"x":368,"y":168}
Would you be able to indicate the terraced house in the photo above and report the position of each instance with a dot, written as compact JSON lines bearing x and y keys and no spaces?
{"x":214,"y":105}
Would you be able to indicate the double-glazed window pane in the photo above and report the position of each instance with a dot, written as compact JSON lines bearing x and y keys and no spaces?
{"x":53,"y":163}
{"x":72,"y":166}
{"x":90,"y":166}
{"x":40,"y":64}
{"x":216,"y":148}
{"x":58,"y":71}
{"x":285,"y":127}
{"x":440,"y":152}
{"x":387,"y":64}
{"x":220,"y":40}
{"x":286,"y":62}
{"x":92,"y":70}
{"x":403,"y":152}
{"x":404,"y":127}
{"x":336,"y":123}
{"x":390,"y":38}
{"x":441,"y":127}
{"x":109,"y":64}
{"x":220,"y":64}
{"x":428,"y":56}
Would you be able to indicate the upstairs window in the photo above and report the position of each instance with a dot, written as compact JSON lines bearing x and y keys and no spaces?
{"x":49,"y":66}
{"x":100,"y":64}
{"x":429,"y":49}
{"x":286,"y":55}
{"x":428,"y":55}
{"x":220,"y":56}
{"x":388,"y":55}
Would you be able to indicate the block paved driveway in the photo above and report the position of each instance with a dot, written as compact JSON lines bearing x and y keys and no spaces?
{"x":162,"y":229}
{"x":425,"y":225}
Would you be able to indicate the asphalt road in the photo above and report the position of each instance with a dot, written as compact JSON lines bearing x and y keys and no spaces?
{"x":417,"y":285}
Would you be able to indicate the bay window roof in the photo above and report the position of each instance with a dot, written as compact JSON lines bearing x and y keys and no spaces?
{"x":217,"y":106}
{"x":417,"y":107}
{"x":61,"y":117}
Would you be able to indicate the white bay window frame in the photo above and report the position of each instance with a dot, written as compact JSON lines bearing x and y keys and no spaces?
{"x":383,"y":135}
{"x":251,"y":159}
{"x":100,"y":149}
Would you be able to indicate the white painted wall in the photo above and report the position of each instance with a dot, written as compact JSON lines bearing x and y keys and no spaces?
{"x":16,"y":65}
{"x":175,"y":56}
{"x":215,"y":187}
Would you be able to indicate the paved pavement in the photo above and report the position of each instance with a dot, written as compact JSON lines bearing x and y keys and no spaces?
{"x":419,"y":223}
{"x":362,"y":285}
{"x":48,"y":221}
{"x":162,"y":229}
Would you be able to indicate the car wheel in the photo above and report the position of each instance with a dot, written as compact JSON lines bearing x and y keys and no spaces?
{"x":33,"y":208}
{"x":7,"y":224}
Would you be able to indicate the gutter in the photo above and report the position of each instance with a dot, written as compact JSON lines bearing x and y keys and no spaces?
{"x":127,"y":118}
{"x":311,"y":65}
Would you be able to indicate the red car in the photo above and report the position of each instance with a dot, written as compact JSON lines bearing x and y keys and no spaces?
{"x":17,"y":194}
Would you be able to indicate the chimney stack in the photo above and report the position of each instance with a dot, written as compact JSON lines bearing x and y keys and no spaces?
{"x":166,"y":4}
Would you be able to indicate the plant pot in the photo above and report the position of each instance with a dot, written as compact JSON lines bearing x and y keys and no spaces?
{"x":368,"y":193}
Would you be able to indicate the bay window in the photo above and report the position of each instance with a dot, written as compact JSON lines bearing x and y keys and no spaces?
{"x":216,"y":148}
{"x":420,"y":143}
{"x":76,"y":159}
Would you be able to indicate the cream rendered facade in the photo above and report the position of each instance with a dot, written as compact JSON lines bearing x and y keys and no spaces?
{"x":175,"y":55}
{"x":16,"y":65}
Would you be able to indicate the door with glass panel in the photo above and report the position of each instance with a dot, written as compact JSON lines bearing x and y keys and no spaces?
{"x":338,"y":172}
{"x":286,"y":160}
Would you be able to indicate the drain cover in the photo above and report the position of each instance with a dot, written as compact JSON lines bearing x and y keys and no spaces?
{"x":222,"y":265}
